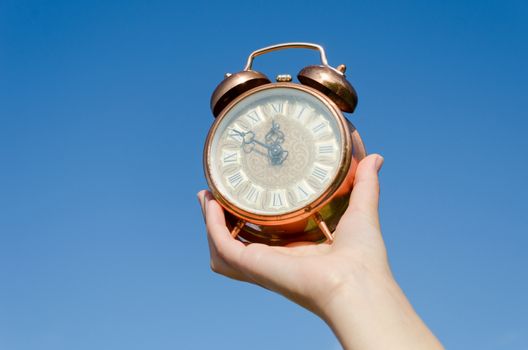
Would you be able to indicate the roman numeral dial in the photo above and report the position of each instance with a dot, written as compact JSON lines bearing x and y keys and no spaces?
{"x":253,"y":195}
{"x":236,"y":179}
{"x":230,"y":157}
{"x":319,"y":174}
{"x":320,"y":128}
{"x":277,"y":199}
{"x":276,"y":151}
{"x":278,"y":107}
{"x":302,"y":191}
{"x":254,"y":117}
{"x":327,"y":151}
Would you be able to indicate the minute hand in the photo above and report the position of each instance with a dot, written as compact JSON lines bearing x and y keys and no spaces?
{"x":276,"y":155}
{"x":274,"y":139}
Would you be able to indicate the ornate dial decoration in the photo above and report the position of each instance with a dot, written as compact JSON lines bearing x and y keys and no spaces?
{"x":275,"y":151}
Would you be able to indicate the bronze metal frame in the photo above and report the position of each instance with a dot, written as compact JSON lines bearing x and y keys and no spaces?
{"x":295,"y":221}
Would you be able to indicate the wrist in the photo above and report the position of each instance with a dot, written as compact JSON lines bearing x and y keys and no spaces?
{"x":372,"y":312}
{"x":356,"y":292}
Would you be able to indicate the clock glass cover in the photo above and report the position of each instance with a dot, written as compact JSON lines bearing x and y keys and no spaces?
{"x":275,"y":151}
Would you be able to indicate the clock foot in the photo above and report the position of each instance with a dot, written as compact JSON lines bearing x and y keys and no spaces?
{"x":323,"y":227}
{"x":237,"y":228}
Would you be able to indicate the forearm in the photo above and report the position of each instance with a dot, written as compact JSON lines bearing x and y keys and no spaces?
{"x":375,"y":314}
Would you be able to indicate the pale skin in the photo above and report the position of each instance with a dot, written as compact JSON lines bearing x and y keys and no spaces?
{"x":349,"y":283}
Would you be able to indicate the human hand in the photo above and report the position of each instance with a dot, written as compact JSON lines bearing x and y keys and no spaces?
{"x":348,"y":283}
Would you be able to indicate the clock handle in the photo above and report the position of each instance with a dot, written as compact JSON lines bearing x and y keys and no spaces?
{"x":324,"y":78}
{"x":323,"y":227}
{"x":264,"y":50}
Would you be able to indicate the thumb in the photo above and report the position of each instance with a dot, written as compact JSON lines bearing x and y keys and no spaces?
{"x":365,"y":193}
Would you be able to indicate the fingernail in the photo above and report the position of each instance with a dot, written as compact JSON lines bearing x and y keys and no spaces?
{"x":201,"y":200}
{"x":379,"y":163}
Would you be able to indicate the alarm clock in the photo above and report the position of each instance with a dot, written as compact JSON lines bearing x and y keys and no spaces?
{"x":280,"y":157}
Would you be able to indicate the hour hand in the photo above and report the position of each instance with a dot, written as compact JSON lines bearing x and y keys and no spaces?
{"x":274,"y":138}
{"x":274,"y":135}
{"x":276,"y":155}
{"x":248,"y":140}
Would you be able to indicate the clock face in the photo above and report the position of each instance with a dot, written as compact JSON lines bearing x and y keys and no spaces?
{"x":275,"y":151}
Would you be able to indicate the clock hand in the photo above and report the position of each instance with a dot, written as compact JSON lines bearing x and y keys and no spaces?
{"x":246,"y":141}
{"x":276,"y":155}
{"x":274,"y":138}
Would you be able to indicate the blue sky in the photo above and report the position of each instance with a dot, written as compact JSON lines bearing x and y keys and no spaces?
{"x":104,"y":107}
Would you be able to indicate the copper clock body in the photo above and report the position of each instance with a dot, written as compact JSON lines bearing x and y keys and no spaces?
{"x":313,"y":221}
